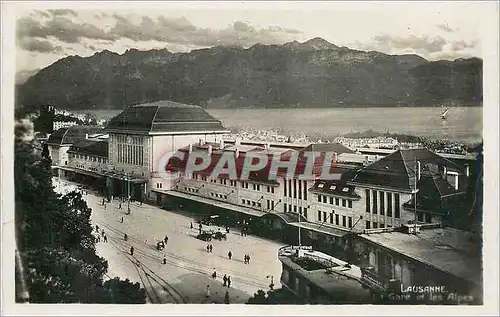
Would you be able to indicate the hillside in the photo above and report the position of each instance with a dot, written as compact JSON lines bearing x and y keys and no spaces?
{"x":310,"y":74}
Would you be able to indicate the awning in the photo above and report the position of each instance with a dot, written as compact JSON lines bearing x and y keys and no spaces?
{"x":80,"y":171}
{"x":316,"y":227}
{"x":288,"y":217}
{"x":126,"y":177}
{"x":220,"y":204}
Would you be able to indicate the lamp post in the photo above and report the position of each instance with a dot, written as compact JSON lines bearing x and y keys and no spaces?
{"x":128,"y":193}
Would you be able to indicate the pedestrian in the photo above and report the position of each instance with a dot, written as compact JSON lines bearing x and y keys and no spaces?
{"x":245,"y":259}
{"x":128,"y":209}
{"x":96,"y":228}
{"x":125,"y":237}
{"x":229,"y":281}
{"x":214,"y":274}
{"x":229,"y":255}
{"x":104,"y":206}
{"x":166,"y":239}
{"x":98,"y":238}
{"x":224,"y":279}
{"x":211,"y":248}
{"x":191,"y":225}
{"x":227,"y":229}
{"x":103,"y":201}
{"x":248,"y":258}
{"x":207,"y":291}
{"x":131,"y":250}
{"x":226,"y":298}
{"x":102,"y":231}
{"x":140,"y":203}
{"x":164,"y":260}
{"x":120,"y":205}
{"x":105,"y":238}
{"x":208,"y":248}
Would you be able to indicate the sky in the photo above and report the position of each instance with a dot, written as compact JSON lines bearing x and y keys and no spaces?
{"x":45,"y":33}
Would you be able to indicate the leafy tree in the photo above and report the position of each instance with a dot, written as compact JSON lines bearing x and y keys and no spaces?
{"x":124,"y":292}
{"x":279,"y":296}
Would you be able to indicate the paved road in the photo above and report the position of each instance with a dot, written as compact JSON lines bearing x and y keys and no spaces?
{"x":189,"y":267}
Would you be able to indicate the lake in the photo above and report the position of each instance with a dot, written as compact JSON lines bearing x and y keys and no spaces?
{"x":463,"y":124}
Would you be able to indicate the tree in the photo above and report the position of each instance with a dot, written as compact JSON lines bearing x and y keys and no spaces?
{"x":279,"y":296}
{"x":124,"y":292}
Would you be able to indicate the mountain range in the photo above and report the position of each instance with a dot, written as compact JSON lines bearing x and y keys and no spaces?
{"x":315,"y":73}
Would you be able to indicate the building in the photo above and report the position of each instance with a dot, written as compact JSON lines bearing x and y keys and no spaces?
{"x":88,"y":161}
{"x":142,"y":135}
{"x":389,"y":186}
{"x":61,"y":140}
{"x":318,"y":278}
{"x":64,"y":122}
{"x":448,"y":257}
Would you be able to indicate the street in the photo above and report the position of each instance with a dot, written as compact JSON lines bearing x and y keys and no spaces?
{"x":189,"y":267}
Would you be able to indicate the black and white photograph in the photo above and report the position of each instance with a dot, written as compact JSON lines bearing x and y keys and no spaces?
{"x":250,"y":157}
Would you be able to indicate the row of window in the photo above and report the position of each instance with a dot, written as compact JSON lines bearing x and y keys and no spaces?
{"x":375,"y":225}
{"x":323,"y":216}
{"x":234,"y":183}
{"x":251,"y":203}
{"x":131,"y":154}
{"x":325,"y":200}
{"x":374,"y":197}
{"x":128,"y":139}
{"x":159,"y":185}
{"x":270,"y":204}
{"x":295,"y":188}
{"x":88,"y":158}
{"x":288,"y":208}
{"x":216,"y":195}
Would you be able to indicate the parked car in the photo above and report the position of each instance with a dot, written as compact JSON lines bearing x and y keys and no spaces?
{"x":205,"y":236}
{"x":209,"y":220}
{"x":219,"y":236}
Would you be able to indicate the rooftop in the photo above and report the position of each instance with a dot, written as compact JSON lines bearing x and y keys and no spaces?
{"x":70,"y":135}
{"x":398,"y":170}
{"x":447,"y":249}
{"x":164,"y":117}
{"x":339,"y":279}
{"x":90,"y":147}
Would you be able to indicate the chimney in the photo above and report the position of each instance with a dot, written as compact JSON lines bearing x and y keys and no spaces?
{"x":210,"y":150}
{"x":237,"y":153}
{"x":221,"y":144}
{"x":190,"y":148}
{"x":445,"y":171}
{"x":334,"y":158}
{"x":467,"y":170}
{"x":456,"y":181}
